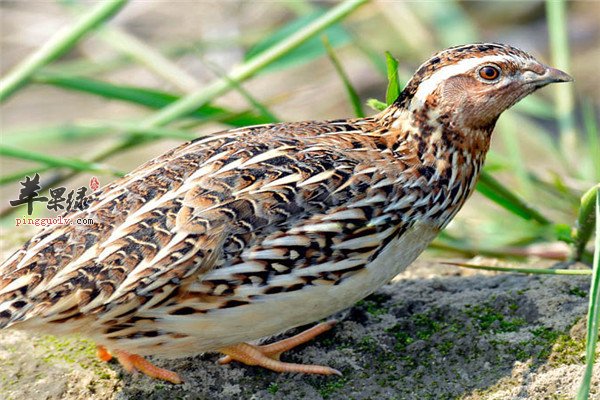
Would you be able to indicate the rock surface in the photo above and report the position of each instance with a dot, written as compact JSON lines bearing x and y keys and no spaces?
{"x":436,"y":332}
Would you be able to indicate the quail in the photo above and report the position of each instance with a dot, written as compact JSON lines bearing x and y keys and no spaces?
{"x":253,"y":231}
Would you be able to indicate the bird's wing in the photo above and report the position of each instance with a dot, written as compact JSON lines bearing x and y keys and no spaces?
{"x":184,"y":213}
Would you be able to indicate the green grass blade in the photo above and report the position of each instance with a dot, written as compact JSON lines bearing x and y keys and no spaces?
{"x":52,"y":161}
{"x":305,"y":8}
{"x":504,"y":197}
{"x":57,"y":45}
{"x":254,"y":65}
{"x":564,"y":99}
{"x":586,"y":221}
{"x":150,"y":58}
{"x":538,"y":271}
{"x":144,"y":54}
{"x":393,"y":88}
{"x":304,"y":53}
{"x":146,"y":97}
{"x":520,"y":248}
{"x":376,"y":105}
{"x":174,"y":49}
{"x":593,"y":140}
{"x":509,"y":133}
{"x":561,"y":197}
{"x":299,"y":7}
{"x":258,"y":106}
{"x":264,"y":112}
{"x":350,"y":90}
{"x":17,"y":176}
{"x":86,"y":67}
{"x":593,"y":320}
{"x":373,"y":55}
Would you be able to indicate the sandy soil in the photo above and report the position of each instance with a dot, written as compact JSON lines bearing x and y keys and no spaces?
{"x":436,"y":332}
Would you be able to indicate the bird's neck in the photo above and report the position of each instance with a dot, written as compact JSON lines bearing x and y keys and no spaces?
{"x":434,"y":134}
{"x":444,"y":159}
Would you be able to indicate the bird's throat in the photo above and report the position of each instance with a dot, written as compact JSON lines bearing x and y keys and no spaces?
{"x":432,"y":134}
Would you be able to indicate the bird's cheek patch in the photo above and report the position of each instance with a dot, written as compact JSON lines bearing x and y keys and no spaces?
{"x":504,"y":97}
{"x":471,"y":99}
{"x":457,"y":90}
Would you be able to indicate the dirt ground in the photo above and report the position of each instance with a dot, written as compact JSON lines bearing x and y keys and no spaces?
{"x":436,"y":332}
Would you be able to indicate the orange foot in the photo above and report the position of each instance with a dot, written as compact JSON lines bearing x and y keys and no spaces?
{"x":133,"y":362}
{"x":267,"y":356}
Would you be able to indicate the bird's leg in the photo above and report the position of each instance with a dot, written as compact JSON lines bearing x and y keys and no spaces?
{"x":132,"y":362}
{"x":267,"y":356}
{"x":274,"y":350}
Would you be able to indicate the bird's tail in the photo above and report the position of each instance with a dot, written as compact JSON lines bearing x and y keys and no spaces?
{"x":11,"y":312}
{"x":13,"y":285}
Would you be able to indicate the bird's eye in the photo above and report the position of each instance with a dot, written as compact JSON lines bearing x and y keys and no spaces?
{"x":489,"y":72}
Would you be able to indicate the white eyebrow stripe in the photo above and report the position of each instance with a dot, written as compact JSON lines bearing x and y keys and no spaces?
{"x":429,"y":85}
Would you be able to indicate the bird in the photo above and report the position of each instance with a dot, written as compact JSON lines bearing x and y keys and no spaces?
{"x":250,"y":232}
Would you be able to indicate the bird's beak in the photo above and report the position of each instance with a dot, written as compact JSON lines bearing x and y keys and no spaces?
{"x":549,"y":75}
{"x":553,"y":75}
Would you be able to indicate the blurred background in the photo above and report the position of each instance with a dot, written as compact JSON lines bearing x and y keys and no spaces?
{"x":100,"y":106}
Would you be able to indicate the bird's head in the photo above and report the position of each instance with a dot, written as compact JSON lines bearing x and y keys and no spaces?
{"x":473,"y":84}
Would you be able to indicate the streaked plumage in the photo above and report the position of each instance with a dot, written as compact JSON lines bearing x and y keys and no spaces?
{"x":253,"y":231}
